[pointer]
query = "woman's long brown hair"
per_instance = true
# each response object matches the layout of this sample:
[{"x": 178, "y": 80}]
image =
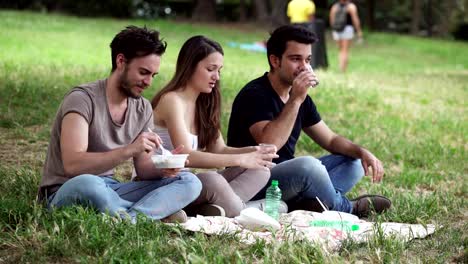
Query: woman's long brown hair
[{"x": 208, "y": 105}]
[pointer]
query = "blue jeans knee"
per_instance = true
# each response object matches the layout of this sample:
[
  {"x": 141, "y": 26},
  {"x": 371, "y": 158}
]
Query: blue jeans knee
[
  {"x": 297, "y": 176},
  {"x": 85, "y": 189},
  {"x": 345, "y": 172},
  {"x": 194, "y": 185},
  {"x": 308, "y": 178}
]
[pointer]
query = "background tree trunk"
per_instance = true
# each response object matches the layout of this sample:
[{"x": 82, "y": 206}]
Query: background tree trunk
[
  {"x": 242, "y": 11},
  {"x": 261, "y": 11},
  {"x": 416, "y": 17},
  {"x": 278, "y": 13},
  {"x": 429, "y": 18},
  {"x": 447, "y": 12},
  {"x": 205, "y": 10},
  {"x": 370, "y": 14}
]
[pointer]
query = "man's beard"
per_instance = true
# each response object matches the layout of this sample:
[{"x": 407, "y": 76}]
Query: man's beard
[
  {"x": 285, "y": 79},
  {"x": 126, "y": 87}
]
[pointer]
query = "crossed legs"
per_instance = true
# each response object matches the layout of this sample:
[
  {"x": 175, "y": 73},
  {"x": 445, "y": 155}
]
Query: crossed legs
[
  {"x": 156, "y": 199},
  {"x": 230, "y": 188},
  {"x": 329, "y": 178}
]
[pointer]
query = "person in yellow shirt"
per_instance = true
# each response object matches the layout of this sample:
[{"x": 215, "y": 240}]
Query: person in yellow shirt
[{"x": 301, "y": 11}]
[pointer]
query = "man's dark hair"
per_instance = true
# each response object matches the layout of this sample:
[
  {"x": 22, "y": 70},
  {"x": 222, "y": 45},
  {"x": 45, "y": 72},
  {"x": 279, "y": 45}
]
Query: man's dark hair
[
  {"x": 135, "y": 42},
  {"x": 276, "y": 44}
]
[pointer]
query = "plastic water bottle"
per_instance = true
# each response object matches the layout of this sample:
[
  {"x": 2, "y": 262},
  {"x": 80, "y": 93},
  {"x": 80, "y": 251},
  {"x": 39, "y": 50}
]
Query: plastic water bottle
[{"x": 272, "y": 201}]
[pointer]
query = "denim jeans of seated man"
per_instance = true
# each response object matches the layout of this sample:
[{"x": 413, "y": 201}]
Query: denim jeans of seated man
[
  {"x": 156, "y": 199},
  {"x": 329, "y": 178}
]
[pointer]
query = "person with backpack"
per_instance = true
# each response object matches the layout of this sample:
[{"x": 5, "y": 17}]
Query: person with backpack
[{"x": 344, "y": 20}]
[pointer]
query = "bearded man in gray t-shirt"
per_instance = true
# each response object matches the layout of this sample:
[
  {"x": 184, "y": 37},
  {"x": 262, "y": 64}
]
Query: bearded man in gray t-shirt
[{"x": 99, "y": 125}]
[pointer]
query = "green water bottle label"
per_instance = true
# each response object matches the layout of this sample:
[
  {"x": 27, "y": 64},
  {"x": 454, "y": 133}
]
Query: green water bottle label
[{"x": 337, "y": 224}]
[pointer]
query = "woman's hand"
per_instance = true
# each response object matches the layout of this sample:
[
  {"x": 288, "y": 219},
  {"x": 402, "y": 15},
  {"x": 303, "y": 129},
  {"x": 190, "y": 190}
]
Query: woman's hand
[
  {"x": 170, "y": 173},
  {"x": 260, "y": 158}
]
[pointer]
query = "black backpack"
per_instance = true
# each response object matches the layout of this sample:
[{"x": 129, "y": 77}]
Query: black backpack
[{"x": 339, "y": 22}]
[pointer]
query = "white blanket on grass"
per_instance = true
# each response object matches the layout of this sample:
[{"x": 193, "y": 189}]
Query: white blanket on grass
[{"x": 295, "y": 226}]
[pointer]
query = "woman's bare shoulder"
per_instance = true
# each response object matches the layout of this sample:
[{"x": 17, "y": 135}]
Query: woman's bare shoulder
[
  {"x": 170, "y": 102},
  {"x": 171, "y": 99},
  {"x": 351, "y": 7},
  {"x": 171, "y": 96}
]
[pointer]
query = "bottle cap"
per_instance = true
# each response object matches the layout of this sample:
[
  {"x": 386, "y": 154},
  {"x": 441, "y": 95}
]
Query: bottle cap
[{"x": 274, "y": 183}]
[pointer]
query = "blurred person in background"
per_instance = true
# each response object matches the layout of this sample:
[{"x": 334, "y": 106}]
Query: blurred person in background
[
  {"x": 344, "y": 21},
  {"x": 302, "y": 12}
]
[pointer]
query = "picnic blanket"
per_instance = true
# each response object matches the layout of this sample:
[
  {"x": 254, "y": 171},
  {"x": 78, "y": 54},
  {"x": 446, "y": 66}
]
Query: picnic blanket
[{"x": 295, "y": 226}]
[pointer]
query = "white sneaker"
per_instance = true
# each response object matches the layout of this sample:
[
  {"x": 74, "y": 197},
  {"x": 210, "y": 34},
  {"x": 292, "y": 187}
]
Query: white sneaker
[
  {"x": 260, "y": 204},
  {"x": 177, "y": 217},
  {"x": 211, "y": 210}
]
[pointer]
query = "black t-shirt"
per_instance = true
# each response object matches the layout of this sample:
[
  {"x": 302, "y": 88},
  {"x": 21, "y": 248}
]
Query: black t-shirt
[{"x": 258, "y": 101}]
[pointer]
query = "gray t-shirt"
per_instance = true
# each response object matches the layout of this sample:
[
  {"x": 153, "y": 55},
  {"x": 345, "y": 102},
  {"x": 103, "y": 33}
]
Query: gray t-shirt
[{"x": 90, "y": 101}]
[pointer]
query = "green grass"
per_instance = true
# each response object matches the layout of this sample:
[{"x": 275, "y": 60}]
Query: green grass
[{"x": 403, "y": 98}]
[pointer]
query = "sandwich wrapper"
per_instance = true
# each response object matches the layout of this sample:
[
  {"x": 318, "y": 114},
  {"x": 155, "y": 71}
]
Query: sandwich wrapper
[{"x": 257, "y": 220}]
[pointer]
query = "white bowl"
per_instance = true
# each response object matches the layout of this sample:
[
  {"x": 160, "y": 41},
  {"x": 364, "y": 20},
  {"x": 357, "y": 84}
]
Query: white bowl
[{"x": 174, "y": 161}]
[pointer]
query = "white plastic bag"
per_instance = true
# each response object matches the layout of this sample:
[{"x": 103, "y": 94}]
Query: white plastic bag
[{"x": 256, "y": 220}]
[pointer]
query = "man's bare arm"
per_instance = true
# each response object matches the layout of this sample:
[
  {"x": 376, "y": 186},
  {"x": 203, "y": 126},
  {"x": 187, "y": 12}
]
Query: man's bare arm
[
  {"x": 335, "y": 143},
  {"x": 277, "y": 131},
  {"x": 74, "y": 147}
]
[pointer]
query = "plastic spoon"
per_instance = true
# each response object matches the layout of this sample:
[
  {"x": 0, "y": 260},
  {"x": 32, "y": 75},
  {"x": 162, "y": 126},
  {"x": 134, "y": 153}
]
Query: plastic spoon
[
  {"x": 164, "y": 151},
  {"x": 321, "y": 204}
]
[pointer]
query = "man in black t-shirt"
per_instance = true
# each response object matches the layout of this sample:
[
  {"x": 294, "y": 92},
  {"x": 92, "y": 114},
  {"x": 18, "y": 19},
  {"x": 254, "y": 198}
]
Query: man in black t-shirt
[{"x": 275, "y": 108}]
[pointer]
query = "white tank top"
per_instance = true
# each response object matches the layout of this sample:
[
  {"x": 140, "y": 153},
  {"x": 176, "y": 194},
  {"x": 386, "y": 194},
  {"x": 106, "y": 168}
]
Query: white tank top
[{"x": 163, "y": 133}]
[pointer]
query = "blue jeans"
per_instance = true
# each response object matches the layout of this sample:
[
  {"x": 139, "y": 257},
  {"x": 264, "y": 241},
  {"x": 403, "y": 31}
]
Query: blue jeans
[
  {"x": 329, "y": 178},
  {"x": 156, "y": 199}
]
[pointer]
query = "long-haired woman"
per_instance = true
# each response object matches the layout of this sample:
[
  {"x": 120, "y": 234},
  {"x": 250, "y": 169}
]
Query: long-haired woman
[{"x": 187, "y": 111}]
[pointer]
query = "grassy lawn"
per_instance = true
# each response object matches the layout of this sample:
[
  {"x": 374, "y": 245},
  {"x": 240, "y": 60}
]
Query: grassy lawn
[{"x": 404, "y": 98}]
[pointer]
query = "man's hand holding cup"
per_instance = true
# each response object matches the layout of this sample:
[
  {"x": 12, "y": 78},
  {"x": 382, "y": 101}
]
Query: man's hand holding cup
[{"x": 314, "y": 82}]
